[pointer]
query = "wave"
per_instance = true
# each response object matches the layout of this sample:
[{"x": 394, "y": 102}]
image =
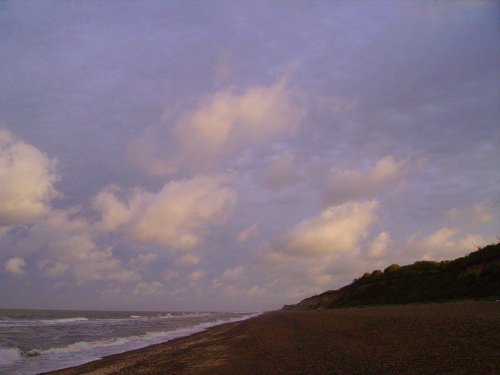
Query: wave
[
  {"x": 133, "y": 342},
  {"x": 135, "y": 316},
  {"x": 185, "y": 315},
  {"x": 64, "y": 321},
  {"x": 80, "y": 346},
  {"x": 37, "y": 322},
  {"x": 9, "y": 355}
]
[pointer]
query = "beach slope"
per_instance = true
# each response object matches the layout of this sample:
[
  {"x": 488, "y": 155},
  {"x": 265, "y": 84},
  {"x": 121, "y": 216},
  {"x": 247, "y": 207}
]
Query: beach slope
[{"x": 446, "y": 338}]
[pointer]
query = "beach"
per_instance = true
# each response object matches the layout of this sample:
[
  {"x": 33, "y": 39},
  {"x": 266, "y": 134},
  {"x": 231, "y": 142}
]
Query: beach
[{"x": 437, "y": 338}]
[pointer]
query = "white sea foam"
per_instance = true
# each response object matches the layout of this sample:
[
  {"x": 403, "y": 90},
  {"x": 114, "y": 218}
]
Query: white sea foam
[
  {"x": 64, "y": 321},
  {"x": 134, "y": 342},
  {"x": 9, "y": 355},
  {"x": 80, "y": 346},
  {"x": 186, "y": 315},
  {"x": 61, "y": 355},
  {"x": 135, "y": 316}
]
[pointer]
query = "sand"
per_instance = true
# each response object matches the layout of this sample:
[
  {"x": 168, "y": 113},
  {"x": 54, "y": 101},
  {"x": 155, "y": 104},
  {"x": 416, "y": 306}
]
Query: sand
[{"x": 447, "y": 338}]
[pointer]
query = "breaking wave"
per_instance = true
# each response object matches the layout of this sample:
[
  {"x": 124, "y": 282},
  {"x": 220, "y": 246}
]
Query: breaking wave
[
  {"x": 132, "y": 342},
  {"x": 64, "y": 321}
]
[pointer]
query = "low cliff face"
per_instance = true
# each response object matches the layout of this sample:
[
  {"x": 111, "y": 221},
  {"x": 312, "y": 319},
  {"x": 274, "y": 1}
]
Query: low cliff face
[{"x": 476, "y": 275}]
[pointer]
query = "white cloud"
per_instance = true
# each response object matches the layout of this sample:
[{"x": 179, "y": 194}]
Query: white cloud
[
  {"x": 346, "y": 184},
  {"x": 189, "y": 260},
  {"x": 223, "y": 125},
  {"x": 236, "y": 292},
  {"x": 305, "y": 260},
  {"x": 235, "y": 273},
  {"x": 15, "y": 266},
  {"x": 248, "y": 233},
  {"x": 379, "y": 246},
  {"x": 336, "y": 230},
  {"x": 446, "y": 243},
  {"x": 56, "y": 269},
  {"x": 176, "y": 217},
  {"x": 232, "y": 281},
  {"x": 27, "y": 178},
  {"x": 316, "y": 275},
  {"x": 147, "y": 289},
  {"x": 478, "y": 213},
  {"x": 196, "y": 276},
  {"x": 142, "y": 261},
  {"x": 114, "y": 212},
  {"x": 70, "y": 248},
  {"x": 86, "y": 261}
]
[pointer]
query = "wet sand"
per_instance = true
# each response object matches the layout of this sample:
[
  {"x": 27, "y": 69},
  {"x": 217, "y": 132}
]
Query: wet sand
[{"x": 447, "y": 338}]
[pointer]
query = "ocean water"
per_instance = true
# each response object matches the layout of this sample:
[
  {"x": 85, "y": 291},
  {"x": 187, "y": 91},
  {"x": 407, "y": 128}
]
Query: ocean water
[{"x": 34, "y": 341}]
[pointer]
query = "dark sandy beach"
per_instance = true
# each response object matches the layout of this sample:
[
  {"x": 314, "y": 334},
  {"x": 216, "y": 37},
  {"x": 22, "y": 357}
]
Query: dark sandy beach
[{"x": 446, "y": 338}]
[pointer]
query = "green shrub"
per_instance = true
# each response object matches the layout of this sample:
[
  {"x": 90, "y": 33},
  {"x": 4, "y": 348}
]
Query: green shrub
[{"x": 392, "y": 268}]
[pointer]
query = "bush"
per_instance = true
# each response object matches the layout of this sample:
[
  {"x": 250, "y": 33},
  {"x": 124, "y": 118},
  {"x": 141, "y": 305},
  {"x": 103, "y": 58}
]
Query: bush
[
  {"x": 392, "y": 268},
  {"x": 426, "y": 264}
]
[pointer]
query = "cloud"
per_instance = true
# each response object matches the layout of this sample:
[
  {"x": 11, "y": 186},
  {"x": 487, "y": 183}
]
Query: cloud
[
  {"x": 281, "y": 173},
  {"x": 336, "y": 230},
  {"x": 69, "y": 247},
  {"x": 142, "y": 261},
  {"x": 176, "y": 217},
  {"x": 224, "y": 124},
  {"x": 479, "y": 213},
  {"x": 445, "y": 243},
  {"x": 248, "y": 233},
  {"x": 195, "y": 276},
  {"x": 234, "y": 273},
  {"x": 65, "y": 240},
  {"x": 316, "y": 275},
  {"x": 15, "y": 266},
  {"x": 86, "y": 261},
  {"x": 305, "y": 259},
  {"x": 232, "y": 282},
  {"x": 345, "y": 184},
  {"x": 189, "y": 260},
  {"x": 379, "y": 246},
  {"x": 27, "y": 178},
  {"x": 113, "y": 212},
  {"x": 236, "y": 292},
  {"x": 345, "y": 107},
  {"x": 170, "y": 274},
  {"x": 147, "y": 289}
]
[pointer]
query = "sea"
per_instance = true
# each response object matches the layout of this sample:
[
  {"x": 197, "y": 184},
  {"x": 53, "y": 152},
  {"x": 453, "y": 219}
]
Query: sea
[{"x": 35, "y": 341}]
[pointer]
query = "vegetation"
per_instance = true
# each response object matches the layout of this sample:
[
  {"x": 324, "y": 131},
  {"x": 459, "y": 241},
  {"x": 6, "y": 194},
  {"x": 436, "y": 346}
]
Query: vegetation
[{"x": 476, "y": 275}]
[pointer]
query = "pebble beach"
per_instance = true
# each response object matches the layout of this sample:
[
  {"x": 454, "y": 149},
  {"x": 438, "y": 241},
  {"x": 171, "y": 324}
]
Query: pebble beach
[{"x": 437, "y": 338}]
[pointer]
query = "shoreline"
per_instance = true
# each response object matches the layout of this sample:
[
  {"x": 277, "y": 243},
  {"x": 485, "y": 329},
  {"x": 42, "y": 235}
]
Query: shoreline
[{"x": 445, "y": 338}]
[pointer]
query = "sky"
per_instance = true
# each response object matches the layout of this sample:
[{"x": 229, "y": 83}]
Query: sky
[{"x": 239, "y": 155}]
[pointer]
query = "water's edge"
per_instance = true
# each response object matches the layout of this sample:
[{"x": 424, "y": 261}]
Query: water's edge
[
  {"x": 33, "y": 342},
  {"x": 149, "y": 346}
]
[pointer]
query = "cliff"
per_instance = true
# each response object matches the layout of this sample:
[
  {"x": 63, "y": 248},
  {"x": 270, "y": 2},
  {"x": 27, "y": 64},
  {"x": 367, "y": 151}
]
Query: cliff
[{"x": 476, "y": 275}]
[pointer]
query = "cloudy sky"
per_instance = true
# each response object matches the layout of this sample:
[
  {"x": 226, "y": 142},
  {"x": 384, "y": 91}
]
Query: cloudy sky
[{"x": 240, "y": 155}]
